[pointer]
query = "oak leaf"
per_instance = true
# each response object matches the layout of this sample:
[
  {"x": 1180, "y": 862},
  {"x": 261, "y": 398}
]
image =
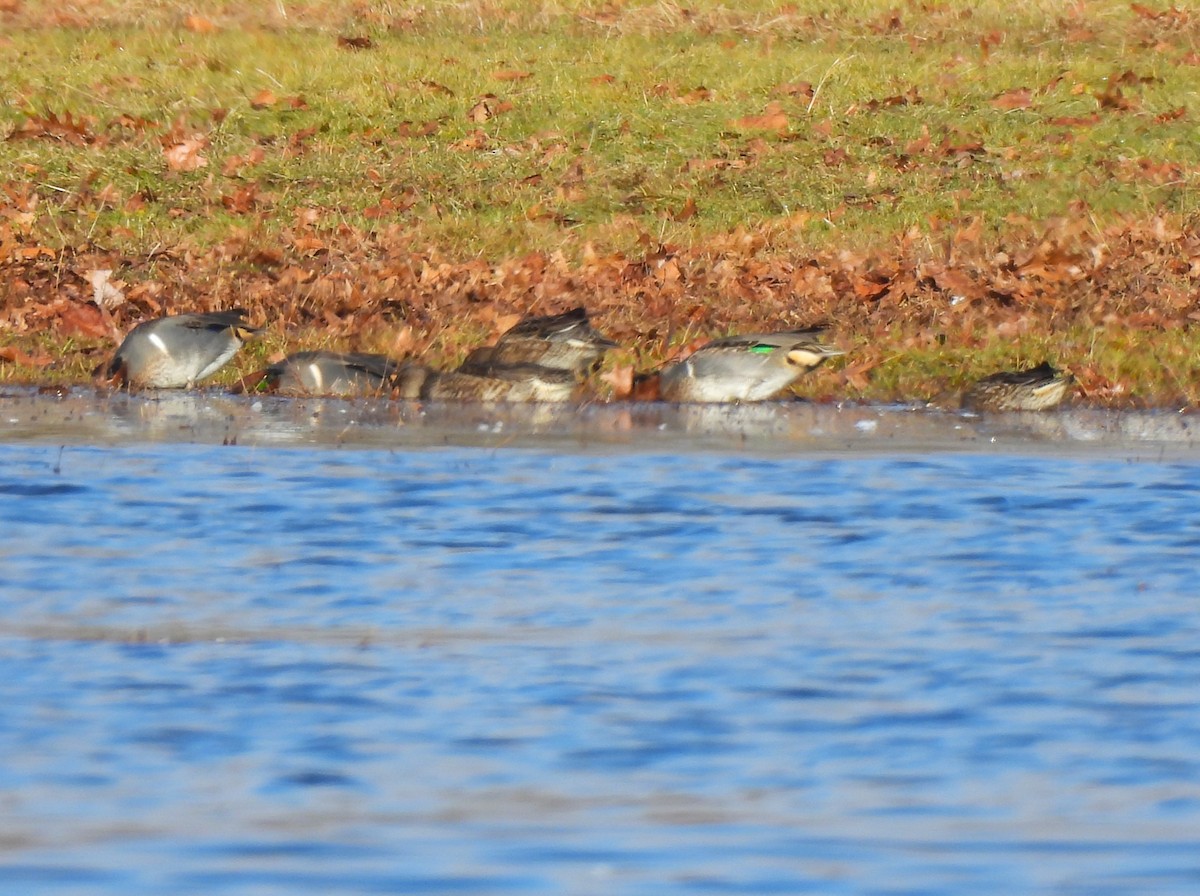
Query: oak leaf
[
  {"x": 67, "y": 129},
  {"x": 106, "y": 292},
  {"x": 84, "y": 320},
  {"x": 185, "y": 156},
  {"x": 487, "y": 107}
]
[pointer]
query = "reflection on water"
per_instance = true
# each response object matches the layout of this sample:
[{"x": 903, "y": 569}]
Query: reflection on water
[
  {"x": 233, "y": 669},
  {"x": 99, "y": 417}
]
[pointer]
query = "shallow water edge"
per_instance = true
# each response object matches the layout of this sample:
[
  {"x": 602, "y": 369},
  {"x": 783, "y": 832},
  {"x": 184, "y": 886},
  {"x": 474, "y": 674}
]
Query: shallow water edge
[{"x": 211, "y": 417}]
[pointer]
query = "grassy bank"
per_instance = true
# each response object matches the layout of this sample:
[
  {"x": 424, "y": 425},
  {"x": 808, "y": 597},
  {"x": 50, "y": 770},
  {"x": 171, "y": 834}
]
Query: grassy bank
[{"x": 955, "y": 190}]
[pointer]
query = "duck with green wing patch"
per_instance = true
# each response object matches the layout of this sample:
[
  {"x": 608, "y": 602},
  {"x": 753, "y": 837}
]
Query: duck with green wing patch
[{"x": 752, "y": 367}]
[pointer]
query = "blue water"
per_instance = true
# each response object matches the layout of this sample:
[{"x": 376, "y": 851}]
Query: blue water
[{"x": 236, "y": 670}]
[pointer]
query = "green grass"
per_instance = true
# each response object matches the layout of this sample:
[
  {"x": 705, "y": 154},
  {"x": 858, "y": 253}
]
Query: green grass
[{"x": 629, "y": 151}]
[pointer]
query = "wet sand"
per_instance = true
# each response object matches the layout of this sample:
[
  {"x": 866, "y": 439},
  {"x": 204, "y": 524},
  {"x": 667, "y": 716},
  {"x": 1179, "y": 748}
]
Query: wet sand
[{"x": 88, "y": 416}]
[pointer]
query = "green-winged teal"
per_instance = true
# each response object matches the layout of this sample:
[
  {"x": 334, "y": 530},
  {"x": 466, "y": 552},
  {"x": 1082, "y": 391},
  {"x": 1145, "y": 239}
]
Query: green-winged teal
[
  {"x": 752, "y": 367},
  {"x": 1036, "y": 389},
  {"x": 565, "y": 341},
  {"x": 339, "y": 373},
  {"x": 508, "y": 382},
  {"x": 177, "y": 352}
]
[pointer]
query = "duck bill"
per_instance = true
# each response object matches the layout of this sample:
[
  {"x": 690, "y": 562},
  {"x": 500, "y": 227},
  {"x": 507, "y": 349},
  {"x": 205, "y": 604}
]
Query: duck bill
[{"x": 812, "y": 356}]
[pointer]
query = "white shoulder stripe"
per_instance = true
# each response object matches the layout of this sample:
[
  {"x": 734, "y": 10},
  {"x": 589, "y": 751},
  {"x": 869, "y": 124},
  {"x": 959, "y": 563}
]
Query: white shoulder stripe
[{"x": 315, "y": 370}]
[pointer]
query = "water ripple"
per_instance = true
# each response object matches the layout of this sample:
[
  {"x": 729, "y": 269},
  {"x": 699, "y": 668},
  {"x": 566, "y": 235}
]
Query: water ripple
[{"x": 457, "y": 670}]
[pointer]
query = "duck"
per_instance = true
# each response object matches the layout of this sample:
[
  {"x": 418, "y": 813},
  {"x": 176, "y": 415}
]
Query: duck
[
  {"x": 341, "y": 374},
  {"x": 1036, "y": 389},
  {"x": 506, "y": 382},
  {"x": 177, "y": 351},
  {"x": 750, "y": 367},
  {"x": 566, "y": 341}
]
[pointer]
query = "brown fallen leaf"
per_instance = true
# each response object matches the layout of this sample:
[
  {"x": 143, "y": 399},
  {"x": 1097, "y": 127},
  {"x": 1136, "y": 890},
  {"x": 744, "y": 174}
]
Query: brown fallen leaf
[
  {"x": 308, "y": 246},
  {"x": 475, "y": 140},
  {"x": 695, "y": 95},
  {"x": 706, "y": 165},
  {"x": 1071, "y": 121},
  {"x": 540, "y": 212},
  {"x": 106, "y": 292},
  {"x": 502, "y": 323},
  {"x": 911, "y": 98},
  {"x": 799, "y": 88},
  {"x": 835, "y": 157},
  {"x": 621, "y": 380},
  {"x": 67, "y": 129},
  {"x": 347, "y": 42},
  {"x": 235, "y": 165},
  {"x": 82, "y": 320},
  {"x": 199, "y": 25},
  {"x": 296, "y": 141},
  {"x": 488, "y": 107},
  {"x": 1172, "y": 115},
  {"x": 769, "y": 121},
  {"x": 186, "y": 156},
  {"x": 243, "y": 201},
  {"x": 382, "y": 210},
  {"x": 687, "y": 211},
  {"x": 435, "y": 87},
  {"x": 1112, "y": 98},
  {"x": 511, "y": 75},
  {"x": 14, "y": 355},
  {"x": 411, "y": 129},
  {"x": 1017, "y": 98},
  {"x": 263, "y": 99}
]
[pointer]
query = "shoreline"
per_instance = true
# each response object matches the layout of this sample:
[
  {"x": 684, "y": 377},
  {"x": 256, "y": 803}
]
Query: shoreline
[{"x": 87, "y": 416}]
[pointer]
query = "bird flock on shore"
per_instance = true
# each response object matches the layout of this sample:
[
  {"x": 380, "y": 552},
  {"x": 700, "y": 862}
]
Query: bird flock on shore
[{"x": 541, "y": 359}]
